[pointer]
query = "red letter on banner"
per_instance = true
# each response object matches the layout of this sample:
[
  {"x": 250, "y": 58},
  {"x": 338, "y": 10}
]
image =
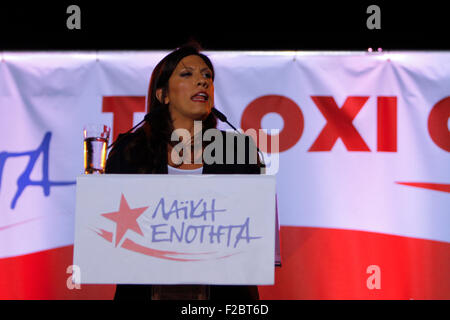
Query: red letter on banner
[
  {"x": 438, "y": 124},
  {"x": 123, "y": 108},
  {"x": 286, "y": 108},
  {"x": 387, "y": 124},
  {"x": 339, "y": 124}
]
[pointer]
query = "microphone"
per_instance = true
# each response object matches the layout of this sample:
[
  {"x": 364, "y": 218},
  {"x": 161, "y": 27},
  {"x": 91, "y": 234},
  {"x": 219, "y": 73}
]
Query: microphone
[
  {"x": 146, "y": 118},
  {"x": 223, "y": 118}
]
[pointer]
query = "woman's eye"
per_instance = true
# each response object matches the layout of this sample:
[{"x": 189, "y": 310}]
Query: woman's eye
[{"x": 207, "y": 75}]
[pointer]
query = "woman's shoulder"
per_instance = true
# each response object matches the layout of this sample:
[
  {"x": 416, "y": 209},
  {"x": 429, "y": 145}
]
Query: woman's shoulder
[
  {"x": 239, "y": 152},
  {"x": 117, "y": 160},
  {"x": 238, "y": 139},
  {"x": 231, "y": 134},
  {"x": 126, "y": 140}
]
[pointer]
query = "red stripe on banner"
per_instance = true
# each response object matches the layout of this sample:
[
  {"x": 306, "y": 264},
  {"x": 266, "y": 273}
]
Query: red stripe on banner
[
  {"x": 43, "y": 275},
  {"x": 445, "y": 187},
  {"x": 317, "y": 263},
  {"x": 322, "y": 263},
  {"x": 16, "y": 224}
]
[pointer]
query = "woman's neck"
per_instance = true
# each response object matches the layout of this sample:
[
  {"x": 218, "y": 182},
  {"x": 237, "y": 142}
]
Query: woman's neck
[
  {"x": 194, "y": 128},
  {"x": 190, "y": 125},
  {"x": 195, "y": 137}
]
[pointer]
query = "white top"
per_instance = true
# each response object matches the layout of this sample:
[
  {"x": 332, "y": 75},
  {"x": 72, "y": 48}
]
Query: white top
[{"x": 173, "y": 170}]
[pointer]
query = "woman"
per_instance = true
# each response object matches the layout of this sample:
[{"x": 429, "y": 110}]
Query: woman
[{"x": 181, "y": 91}]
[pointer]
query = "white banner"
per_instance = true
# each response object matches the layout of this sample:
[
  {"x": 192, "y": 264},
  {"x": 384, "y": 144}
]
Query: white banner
[{"x": 364, "y": 140}]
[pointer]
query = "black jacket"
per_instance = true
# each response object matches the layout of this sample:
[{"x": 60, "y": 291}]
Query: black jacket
[{"x": 117, "y": 163}]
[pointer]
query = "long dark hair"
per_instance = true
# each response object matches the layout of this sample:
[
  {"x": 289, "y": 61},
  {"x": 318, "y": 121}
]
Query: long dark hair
[{"x": 147, "y": 151}]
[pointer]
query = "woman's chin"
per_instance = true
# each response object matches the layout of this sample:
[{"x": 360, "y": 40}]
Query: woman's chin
[
  {"x": 202, "y": 117},
  {"x": 201, "y": 114}
]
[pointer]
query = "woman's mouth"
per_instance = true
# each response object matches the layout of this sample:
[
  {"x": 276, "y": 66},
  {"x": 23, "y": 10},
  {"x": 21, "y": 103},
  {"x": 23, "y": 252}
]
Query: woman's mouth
[{"x": 200, "y": 97}]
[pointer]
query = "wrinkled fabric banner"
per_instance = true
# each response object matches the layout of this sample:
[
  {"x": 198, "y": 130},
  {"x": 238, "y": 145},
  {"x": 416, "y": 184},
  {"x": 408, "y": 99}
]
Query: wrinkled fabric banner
[{"x": 362, "y": 167}]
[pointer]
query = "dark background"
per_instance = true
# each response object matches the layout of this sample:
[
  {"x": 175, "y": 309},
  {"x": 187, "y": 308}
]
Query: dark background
[{"x": 224, "y": 25}]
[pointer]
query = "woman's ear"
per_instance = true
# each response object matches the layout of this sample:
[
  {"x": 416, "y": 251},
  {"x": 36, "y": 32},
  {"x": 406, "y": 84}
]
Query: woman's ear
[{"x": 160, "y": 96}]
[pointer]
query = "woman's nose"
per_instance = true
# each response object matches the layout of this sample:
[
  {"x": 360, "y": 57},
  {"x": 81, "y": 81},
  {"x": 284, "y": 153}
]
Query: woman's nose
[{"x": 201, "y": 82}]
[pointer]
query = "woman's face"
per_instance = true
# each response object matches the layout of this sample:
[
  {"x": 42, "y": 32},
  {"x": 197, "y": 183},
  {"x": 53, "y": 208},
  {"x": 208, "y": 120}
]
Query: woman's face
[{"x": 191, "y": 90}]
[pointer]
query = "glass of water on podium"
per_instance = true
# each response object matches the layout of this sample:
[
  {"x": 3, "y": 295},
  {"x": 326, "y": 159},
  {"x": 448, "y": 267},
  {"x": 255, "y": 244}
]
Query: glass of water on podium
[{"x": 95, "y": 146}]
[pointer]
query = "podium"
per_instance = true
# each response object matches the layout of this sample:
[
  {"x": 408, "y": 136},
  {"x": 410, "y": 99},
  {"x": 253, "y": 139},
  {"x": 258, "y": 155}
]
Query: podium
[{"x": 176, "y": 230}]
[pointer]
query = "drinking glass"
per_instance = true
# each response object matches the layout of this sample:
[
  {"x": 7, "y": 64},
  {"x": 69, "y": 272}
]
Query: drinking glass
[{"x": 95, "y": 146}]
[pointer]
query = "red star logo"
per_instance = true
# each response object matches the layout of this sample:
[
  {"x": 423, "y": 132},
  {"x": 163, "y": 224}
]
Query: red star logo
[{"x": 125, "y": 219}]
